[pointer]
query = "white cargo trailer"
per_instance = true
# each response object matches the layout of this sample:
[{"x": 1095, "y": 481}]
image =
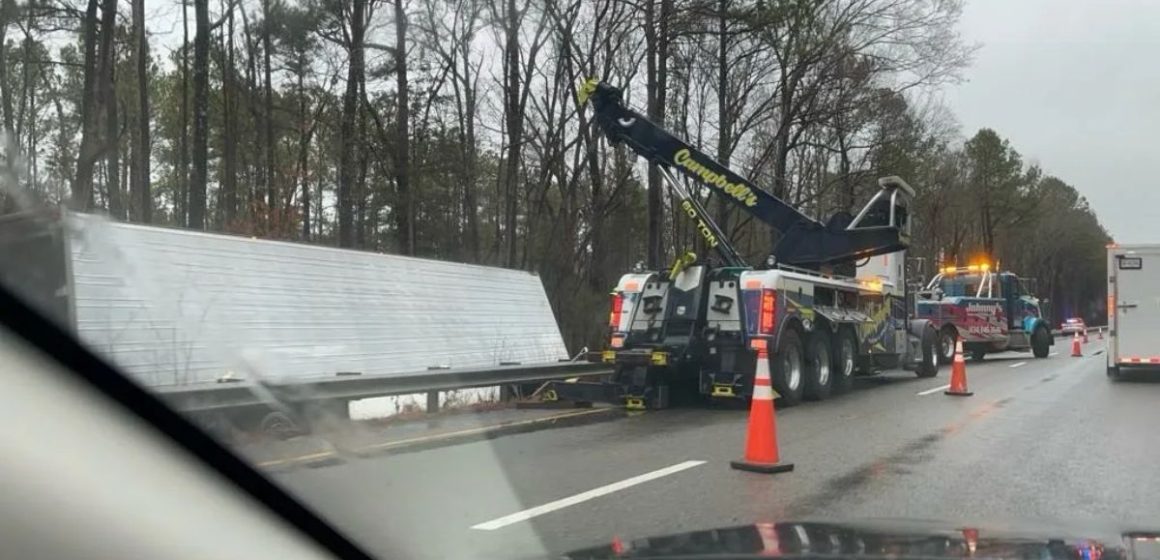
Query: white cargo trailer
[
  {"x": 1133, "y": 308},
  {"x": 173, "y": 306}
]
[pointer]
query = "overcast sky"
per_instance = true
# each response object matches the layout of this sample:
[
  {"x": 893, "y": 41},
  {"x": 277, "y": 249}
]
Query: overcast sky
[{"x": 1075, "y": 86}]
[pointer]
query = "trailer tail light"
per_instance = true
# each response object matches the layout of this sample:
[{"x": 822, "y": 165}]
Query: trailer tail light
[
  {"x": 768, "y": 311},
  {"x": 617, "y": 310}
]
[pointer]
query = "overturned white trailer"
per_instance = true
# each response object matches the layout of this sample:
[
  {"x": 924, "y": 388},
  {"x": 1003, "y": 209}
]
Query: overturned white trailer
[{"x": 174, "y": 307}]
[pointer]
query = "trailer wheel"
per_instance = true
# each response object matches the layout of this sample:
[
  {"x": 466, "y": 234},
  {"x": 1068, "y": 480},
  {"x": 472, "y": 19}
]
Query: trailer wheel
[
  {"x": 278, "y": 425},
  {"x": 1040, "y": 342},
  {"x": 819, "y": 370},
  {"x": 845, "y": 360},
  {"x": 928, "y": 366},
  {"x": 787, "y": 368},
  {"x": 946, "y": 345}
]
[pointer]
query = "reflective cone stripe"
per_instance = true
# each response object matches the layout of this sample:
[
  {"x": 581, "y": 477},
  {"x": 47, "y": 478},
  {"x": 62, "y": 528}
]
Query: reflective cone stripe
[
  {"x": 1085, "y": 338},
  {"x": 958, "y": 374},
  {"x": 1076, "y": 351},
  {"x": 761, "y": 454},
  {"x": 762, "y": 385},
  {"x": 1100, "y": 334}
]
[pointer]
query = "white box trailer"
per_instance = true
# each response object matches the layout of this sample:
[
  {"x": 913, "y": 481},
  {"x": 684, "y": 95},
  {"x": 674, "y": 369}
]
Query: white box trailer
[
  {"x": 1133, "y": 308},
  {"x": 173, "y": 307}
]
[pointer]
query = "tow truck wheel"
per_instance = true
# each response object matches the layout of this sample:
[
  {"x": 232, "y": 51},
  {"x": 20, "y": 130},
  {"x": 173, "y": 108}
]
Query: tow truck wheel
[
  {"x": 946, "y": 345},
  {"x": 787, "y": 368},
  {"x": 819, "y": 370},
  {"x": 928, "y": 365},
  {"x": 1040, "y": 342},
  {"x": 845, "y": 361}
]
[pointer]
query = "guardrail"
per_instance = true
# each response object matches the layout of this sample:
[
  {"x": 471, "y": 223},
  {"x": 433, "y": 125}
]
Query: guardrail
[{"x": 211, "y": 397}]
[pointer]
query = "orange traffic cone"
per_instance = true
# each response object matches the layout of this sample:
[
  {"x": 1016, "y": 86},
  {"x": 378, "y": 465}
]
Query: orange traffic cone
[
  {"x": 1076, "y": 351},
  {"x": 1085, "y": 339},
  {"x": 1100, "y": 334},
  {"x": 971, "y": 536},
  {"x": 958, "y": 374},
  {"x": 761, "y": 439}
]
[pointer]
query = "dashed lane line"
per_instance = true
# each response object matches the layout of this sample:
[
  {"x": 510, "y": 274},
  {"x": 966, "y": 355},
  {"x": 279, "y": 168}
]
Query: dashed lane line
[
  {"x": 934, "y": 390},
  {"x": 549, "y": 507}
]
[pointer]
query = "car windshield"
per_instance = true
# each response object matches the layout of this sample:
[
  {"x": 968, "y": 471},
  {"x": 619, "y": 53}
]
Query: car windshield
[{"x": 518, "y": 277}]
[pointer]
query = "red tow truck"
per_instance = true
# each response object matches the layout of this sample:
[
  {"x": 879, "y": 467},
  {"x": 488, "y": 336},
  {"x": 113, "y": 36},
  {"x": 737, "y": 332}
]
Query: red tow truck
[{"x": 989, "y": 311}]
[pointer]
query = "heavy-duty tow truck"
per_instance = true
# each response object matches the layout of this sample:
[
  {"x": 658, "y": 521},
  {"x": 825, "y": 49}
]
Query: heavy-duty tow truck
[
  {"x": 697, "y": 325},
  {"x": 990, "y": 311}
]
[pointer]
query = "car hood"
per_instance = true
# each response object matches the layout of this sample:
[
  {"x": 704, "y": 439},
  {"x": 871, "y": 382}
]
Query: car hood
[{"x": 886, "y": 539}]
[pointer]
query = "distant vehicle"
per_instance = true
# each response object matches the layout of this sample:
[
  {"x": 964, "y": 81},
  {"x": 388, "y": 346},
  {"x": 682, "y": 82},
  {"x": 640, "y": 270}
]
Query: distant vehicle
[
  {"x": 1072, "y": 326},
  {"x": 1133, "y": 308},
  {"x": 989, "y": 311}
]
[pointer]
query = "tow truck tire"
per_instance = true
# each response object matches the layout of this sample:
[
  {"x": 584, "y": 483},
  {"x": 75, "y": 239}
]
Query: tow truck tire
[
  {"x": 787, "y": 368},
  {"x": 1040, "y": 342},
  {"x": 845, "y": 361},
  {"x": 929, "y": 346},
  {"x": 819, "y": 366},
  {"x": 946, "y": 345}
]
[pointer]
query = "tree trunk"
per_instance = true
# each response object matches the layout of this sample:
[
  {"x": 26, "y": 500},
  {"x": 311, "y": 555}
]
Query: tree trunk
[
  {"x": 268, "y": 121},
  {"x": 470, "y": 200},
  {"x": 199, "y": 180},
  {"x": 82, "y": 187},
  {"x": 470, "y": 204},
  {"x": 348, "y": 161},
  {"x": 406, "y": 214},
  {"x": 143, "y": 193},
  {"x": 360, "y": 192},
  {"x": 229, "y": 187},
  {"x": 108, "y": 97},
  {"x": 514, "y": 122},
  {"x": 657, "y": 45},
  {"x": 181, "y": 200},
  {"x": 303, "y": 153},
  {"x": 7, "y": 9},
  {"x": 724, "y": 119}
]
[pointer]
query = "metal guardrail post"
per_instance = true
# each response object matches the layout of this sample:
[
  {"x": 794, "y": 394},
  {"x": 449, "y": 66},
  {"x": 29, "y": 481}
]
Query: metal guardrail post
[{"x": 432, "y": 401}]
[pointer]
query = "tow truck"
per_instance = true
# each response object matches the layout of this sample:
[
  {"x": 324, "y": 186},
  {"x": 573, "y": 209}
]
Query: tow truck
[
  {"x": 699, "y": 324},
  {"x": 990, "y": 311}
]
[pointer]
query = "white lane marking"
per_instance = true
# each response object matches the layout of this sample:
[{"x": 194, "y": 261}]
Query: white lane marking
[
  {"x": 583, "y": 496},
  {"x": 1053, "y": 353},
  {"x": 935, "y": 390},
  {"x": 1020, "y": 364}
]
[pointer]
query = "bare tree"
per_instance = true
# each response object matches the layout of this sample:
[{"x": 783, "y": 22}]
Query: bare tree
[
  {"x": 199, "y": 178},
  {"x": 450, "y": 38},
  {"x": 656, "y": 25},
  {"x": 142, "y": 150},
  {"x": 405, "y": 212},
  {"x": 107, "y": 97},
  {"x": 82, "y": 187}
]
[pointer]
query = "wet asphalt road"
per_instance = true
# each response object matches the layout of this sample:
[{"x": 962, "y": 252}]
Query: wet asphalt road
[{"x": 1049, "y": 441}]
